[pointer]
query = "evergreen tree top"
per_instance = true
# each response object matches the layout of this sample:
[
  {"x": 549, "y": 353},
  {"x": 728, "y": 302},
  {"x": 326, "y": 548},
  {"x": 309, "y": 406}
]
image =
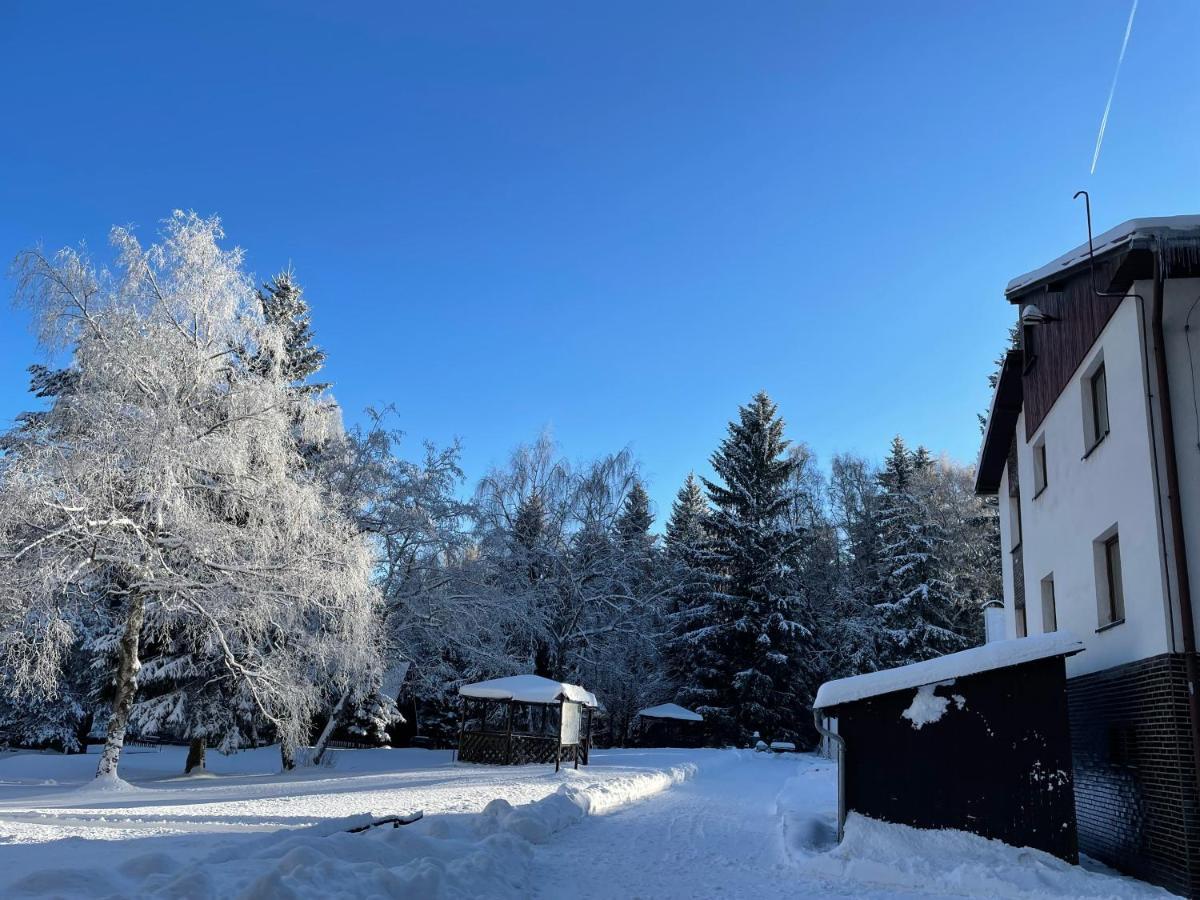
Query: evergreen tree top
[
  {"x": 897, "y": 472},
  {"x": 752, "y": 462},
  {"x": 530, "y": 521},
  {"x": 283, "y": 305},
  {"x": 635, "y": 519},
  {"x": 685, "y": 527}
]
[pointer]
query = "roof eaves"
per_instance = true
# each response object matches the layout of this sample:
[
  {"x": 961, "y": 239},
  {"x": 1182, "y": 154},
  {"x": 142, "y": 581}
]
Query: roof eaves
[
  {"x": 1000, "y": 426},
  {"x": 1128, "y": 235}
]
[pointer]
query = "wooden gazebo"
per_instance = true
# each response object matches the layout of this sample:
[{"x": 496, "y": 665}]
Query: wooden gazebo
[
  {"x": 669, "y": 725},
  {"x": 525, "y": 719}
]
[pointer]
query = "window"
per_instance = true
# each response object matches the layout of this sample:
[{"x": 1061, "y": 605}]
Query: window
[
  {"x": 1022, "y": 628},
  {"x": 1110, "y": 592},
  {"x": 1040, "y": 479},
  {"x": 1049, "y": 613},
  {"x": 1014, "y": 523},
  {"x": 1095, "y": 406}
]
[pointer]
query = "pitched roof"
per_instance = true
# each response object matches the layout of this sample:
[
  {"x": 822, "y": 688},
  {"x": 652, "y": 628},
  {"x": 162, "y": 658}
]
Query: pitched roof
[
  {"x": 1000, "y": 426},
  {"x": 528, "y": 689},
  {"x": 671, "y": 711}
]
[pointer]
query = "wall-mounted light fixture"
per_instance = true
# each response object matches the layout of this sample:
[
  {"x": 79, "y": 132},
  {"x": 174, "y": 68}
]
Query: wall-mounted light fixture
[{"x": 1032, "y": 315}]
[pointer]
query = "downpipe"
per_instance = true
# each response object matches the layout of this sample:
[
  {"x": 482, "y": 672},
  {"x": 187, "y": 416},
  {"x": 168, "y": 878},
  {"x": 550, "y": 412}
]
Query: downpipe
[
  {"x": 1175, "y": 509},
  {"x": 837, "y": 739}
]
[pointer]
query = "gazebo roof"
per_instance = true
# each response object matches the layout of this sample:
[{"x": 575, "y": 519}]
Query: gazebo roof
[
  {"x": 671, "y": 711},
  {"x": 528, "y": 689}
]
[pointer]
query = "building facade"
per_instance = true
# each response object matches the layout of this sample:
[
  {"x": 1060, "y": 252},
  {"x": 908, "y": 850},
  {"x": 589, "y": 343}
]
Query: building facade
[{"x": 1092, "y": 448}]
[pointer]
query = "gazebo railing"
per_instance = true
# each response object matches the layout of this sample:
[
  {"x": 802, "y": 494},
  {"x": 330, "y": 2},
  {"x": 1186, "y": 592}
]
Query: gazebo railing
[{"x": 498, "y": 748}]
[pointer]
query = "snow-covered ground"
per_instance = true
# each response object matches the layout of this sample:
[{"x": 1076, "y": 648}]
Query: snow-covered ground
[{"x": 636, "y": 823}]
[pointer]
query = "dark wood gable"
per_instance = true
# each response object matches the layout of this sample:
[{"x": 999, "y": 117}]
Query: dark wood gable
[{"x": 1054, "y": 350}]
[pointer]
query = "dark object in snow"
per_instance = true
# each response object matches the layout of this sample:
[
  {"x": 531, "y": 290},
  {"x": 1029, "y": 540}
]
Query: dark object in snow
[
  {"x": 394, "y": 821},
  {"x": 525, "y": 719},
  {"x": 941, "y": 744},
  {"x": 669, "y": 725}
]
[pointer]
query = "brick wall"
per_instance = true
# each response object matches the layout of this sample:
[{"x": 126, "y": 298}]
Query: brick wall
[{"x": 1135, "y": 787}]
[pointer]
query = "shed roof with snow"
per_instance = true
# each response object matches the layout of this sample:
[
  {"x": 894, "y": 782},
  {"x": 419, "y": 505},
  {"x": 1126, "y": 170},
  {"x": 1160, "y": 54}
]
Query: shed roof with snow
[
  {"x": 528, "y": 689},
  {"x": 996, "y": 655},
  {"x": 671, "y": 711}
]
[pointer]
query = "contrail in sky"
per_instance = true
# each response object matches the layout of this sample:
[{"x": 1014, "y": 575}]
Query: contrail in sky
[{"x": 1112, "y": 90}]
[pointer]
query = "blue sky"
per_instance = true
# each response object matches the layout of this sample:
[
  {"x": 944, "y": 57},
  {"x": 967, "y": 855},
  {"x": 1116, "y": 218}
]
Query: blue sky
[{"x": 615, "y": 220}]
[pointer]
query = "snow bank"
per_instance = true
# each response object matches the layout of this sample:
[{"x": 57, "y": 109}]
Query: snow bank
[
  {"x": 447, "y": 856},
  {"x": 897, "y": 857},
  {"x": 996, "y": 655},
  {"x": 528, "y": 689},
  {"x": 880, "y": 859}
]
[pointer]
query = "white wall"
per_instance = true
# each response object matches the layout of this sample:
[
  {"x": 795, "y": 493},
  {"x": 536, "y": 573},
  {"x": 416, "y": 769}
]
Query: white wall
[
  {"x": 1085, "y": 497},
  {"x": 1006, "y": 560},
  {"x": 1179, "y": 295}
]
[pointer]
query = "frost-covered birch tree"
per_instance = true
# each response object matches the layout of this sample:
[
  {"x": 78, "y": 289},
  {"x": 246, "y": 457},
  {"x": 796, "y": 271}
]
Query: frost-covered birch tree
[{"x": 164, "y": 485}]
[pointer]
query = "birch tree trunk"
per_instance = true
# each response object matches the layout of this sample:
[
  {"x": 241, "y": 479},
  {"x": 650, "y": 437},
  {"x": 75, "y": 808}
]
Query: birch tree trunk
[
  {"x": 126, "y": 687},
  {"x": 195, "y": 757},
  {"x": 327, "y": 731},
  {"x": 287, "y": 755}
]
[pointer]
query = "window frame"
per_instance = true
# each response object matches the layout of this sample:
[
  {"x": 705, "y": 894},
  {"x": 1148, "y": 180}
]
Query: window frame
[
  {"x": 1050, "y": 622},
  {"x": 1110, "y": 580},
  {"x": 1097, "y": 419},
  {"x": 1041, "y": 475}
]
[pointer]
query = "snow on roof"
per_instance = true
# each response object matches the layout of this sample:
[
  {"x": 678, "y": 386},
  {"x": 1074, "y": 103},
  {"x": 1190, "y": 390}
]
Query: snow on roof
[
  {"x": 528, "y": 689},
  {"x": 671, "y": 711},
  {"x": 996, "y": 655},
  {"x": 1123, "y": 233}
]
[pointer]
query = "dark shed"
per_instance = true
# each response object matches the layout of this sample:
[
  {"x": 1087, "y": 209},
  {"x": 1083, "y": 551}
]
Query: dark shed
[
  {"x": 976, "y": 741},
  {"x": 669, "y": 725}
]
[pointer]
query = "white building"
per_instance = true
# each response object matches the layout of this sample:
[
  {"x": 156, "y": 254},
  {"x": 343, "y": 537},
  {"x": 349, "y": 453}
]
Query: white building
[{"x": 1092, "y": 447}]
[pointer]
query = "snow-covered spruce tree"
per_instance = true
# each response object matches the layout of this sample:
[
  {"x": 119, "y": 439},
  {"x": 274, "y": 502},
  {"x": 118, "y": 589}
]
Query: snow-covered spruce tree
[
  {"x": 281, "y": 301},
  {"x": 167, "y": 482},
  {"x": 689, "y": 660},
  {"x": 633, "y": 524},
  {"x": 918, "y": 611},
  {"x": 759, "y": 637}
]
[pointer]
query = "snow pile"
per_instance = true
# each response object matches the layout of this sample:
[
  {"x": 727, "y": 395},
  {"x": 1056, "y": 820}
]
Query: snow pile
[
  {"x": 467, "y": 855},
  {"x": 880, "y": 855},
  {"x": 927, "y": 707},
  {"x": 996, "y": 655}
]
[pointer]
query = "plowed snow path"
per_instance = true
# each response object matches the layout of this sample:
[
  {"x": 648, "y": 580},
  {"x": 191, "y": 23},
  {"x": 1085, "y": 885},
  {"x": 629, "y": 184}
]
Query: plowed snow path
[{"x": 717, "y": 835}]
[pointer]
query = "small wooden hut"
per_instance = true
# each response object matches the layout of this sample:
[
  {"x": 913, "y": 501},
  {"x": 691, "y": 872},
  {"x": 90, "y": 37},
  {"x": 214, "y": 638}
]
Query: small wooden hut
[
  {"x": 669, "y": 725},
  {"x": 525, "y": 719},
  {"x": 975, "y": 741}
]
